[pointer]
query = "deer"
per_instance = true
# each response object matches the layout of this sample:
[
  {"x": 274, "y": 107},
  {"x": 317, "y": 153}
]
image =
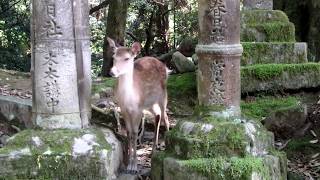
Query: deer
[{"x": 141, "y": 85}]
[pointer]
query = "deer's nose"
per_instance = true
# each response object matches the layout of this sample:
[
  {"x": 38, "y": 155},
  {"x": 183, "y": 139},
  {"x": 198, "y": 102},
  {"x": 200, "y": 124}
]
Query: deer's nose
[{"x": 111, "y": 74}]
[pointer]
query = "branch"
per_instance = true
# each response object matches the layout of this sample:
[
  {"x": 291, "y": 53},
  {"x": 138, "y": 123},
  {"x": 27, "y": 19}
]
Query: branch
[
  {"x": 100, "y": 6},
  {"x": 9, "y": 8},
  {"x": 132, "y": 36}
]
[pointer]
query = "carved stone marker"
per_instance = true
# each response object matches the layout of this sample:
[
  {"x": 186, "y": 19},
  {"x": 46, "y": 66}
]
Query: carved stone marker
[
  {"x": 258, "y": 4},
  {"x": 61, "y": 63},
  {"x": 219, "y": 51}
]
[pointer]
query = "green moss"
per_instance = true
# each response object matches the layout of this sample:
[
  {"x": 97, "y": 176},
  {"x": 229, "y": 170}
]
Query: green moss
[
  {"x": 58, "y": 141},
  {"x": 52, "y": 167},
  {"x": 53, "y": 157},
  {"x": 99, "y": 86},
  {"x": 265, "y": 16},
  {"x": 271, "y": 32},
  {"x": 269, "y": 71},
  {"x": 182, "y": 85},
  {"x": 268, "y": 53},
  {"x": 225, "y": 139},
  {"x": 263, "y": 106},
  {"x": 228, "y": 168}
]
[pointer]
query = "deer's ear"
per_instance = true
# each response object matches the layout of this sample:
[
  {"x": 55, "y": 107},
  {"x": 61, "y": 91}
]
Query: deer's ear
[
  {"x": 112, "y": 44},
  {"x": 136, "y": 48}
]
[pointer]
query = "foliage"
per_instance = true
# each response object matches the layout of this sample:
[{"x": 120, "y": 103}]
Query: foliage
[{"x": 14, "y": 35}]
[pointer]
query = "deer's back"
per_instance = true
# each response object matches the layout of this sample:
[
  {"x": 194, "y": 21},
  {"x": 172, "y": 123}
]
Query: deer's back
[{"x": 150, "y": 77}]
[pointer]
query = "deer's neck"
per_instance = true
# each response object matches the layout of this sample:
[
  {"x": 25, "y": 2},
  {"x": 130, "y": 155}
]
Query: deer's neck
[{"x": 126, "y": 89}]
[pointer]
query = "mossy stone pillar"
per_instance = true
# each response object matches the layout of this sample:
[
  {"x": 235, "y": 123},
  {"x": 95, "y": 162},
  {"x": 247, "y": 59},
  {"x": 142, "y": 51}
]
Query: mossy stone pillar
[
  {"x": 61, "y": 64},
  {"x": 219, "y": 51}
]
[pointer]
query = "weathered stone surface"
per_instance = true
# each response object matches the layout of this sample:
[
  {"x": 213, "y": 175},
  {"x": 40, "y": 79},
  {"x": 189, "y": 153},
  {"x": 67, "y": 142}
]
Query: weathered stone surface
[
  {"x": 195, "y": 59},
  {"x": 213, "y": 139},
  {"x": 61, "y": 154},
  {"x": 187, "y": 46},
  {"x": 182, "y": 63},
  {"x": 268, "y": 32},
  {"x": 60, "y": 64},
  {"x": 16, "y": 111},
  {"x": 223, "y": 168},
  {"x": 258, "y": 4},
  {"x": 273, "y": 53},
  {"x": 273, "y": 77},
  {"x": 263, "y": 16},
  {"x": 288, "y": 122}
]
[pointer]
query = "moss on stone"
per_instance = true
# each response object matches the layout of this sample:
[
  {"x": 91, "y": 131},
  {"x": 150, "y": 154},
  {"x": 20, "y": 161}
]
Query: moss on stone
[
  {"x": 263, "y": 106},
  {"x": 258, "y": 16},
  {"x": 40, "y": 154},
  {"x": 268, "y": 32},
  {"x": 226, "y": 138},
  {"x": 269, "y": 71},
  {"x": 182, "y": 85},
  {"x": 228, "y": 168},
  {"x": 57, "y": 141},
  {"x": 273, "y": 53},
  {"x": 101, "y": 85}
]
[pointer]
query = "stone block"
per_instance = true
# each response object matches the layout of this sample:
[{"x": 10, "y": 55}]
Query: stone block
[
  {"x": 268, "y": 32},
  {"x": 61, "y": 154},
  {"x": 182, "y": 63},
  {"x": 16, "y": 111},
  {"x": 258, "y": 4},
  {"x": 234, "y": 168},
  {"x": 263, "y": 16},
  {"x": 274, "y": 77},
  {"x": 273, "y": 53},
  {"x": 198, "y": 139}
]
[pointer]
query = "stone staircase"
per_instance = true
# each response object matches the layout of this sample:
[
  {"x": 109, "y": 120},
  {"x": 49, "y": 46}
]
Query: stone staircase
[{"x": 272, "y": 59}]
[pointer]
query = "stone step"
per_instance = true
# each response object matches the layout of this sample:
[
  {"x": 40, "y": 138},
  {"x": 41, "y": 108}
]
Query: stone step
[
  {"x": 234, "y": 168},
  {"x": 263, "y": 16},
  {"x": 268, "y": 32},
  {"x": 275, "y": 77},
  {"x": 277, "y": 53}
]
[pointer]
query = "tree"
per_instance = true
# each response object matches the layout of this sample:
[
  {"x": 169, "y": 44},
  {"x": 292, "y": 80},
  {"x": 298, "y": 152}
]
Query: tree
[{"x": 116, "y": 25}]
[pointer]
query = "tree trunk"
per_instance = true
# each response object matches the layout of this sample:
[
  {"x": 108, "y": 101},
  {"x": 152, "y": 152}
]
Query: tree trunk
[{"x": 116, "y": 25}]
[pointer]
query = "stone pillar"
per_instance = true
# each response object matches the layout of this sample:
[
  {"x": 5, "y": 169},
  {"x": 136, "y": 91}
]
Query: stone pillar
[
  {"x": 219, "y": 51},
  {"x": 60, "y": 63}
]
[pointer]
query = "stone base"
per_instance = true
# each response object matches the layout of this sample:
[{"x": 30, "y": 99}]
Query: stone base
[
  {"x": 207, "y": 147},
  {"x": 61, "y": 154},
  {"x": 273, "y": 53},
  {"x": 249, "y": 168}
]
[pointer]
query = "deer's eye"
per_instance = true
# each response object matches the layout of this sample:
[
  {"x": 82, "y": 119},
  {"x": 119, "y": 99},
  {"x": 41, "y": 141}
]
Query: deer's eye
[{"x": 126, "y": 59}]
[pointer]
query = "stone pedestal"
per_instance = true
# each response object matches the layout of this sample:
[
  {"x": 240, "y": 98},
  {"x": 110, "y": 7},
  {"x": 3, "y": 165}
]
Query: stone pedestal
[
  {"x": 60, "y": 64},
  {"x": 61, "y": 154},
  {"x": 219, "y": 53}
]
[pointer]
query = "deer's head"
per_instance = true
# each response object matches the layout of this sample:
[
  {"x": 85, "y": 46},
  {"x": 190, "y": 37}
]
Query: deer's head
[{"x": 123, "y": 58}]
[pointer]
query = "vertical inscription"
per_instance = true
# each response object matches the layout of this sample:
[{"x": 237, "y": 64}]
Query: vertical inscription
[
  {"x": 51, "y": 87},
  {"x": 51, "y": 27},
  {"x": 217, "y": 9},
  {"x": 217, "y": 84}
]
